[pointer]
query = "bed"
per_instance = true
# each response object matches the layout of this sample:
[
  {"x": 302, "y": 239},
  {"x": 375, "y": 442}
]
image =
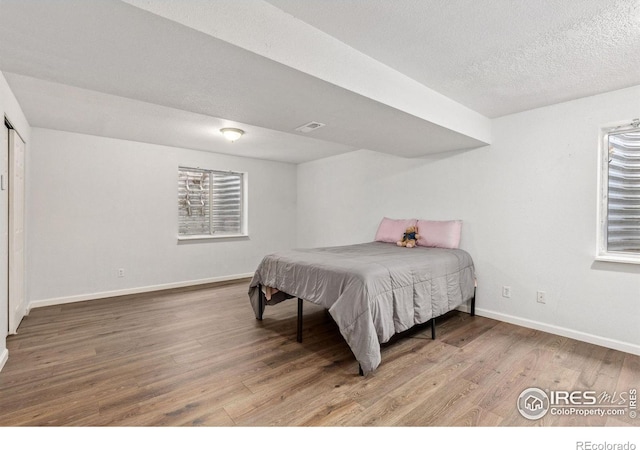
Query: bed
[{"x": 372, "y": 290}]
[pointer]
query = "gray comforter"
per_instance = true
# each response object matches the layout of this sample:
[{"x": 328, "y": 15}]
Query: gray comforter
[{"x": 371, "y": 290}]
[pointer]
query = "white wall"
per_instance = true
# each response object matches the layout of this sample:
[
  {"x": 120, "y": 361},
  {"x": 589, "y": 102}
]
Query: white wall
[
  {"x": 10, "y": 108},
  {"x": 528, "y": 203},
  {"x": 98, "y": 204}
]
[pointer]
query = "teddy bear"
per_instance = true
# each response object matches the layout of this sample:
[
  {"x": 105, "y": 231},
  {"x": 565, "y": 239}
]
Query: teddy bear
[{"x": 410, "y": 238}]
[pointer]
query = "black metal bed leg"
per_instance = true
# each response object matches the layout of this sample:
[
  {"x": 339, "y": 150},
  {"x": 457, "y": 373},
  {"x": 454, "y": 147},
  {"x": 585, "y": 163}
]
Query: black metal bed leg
[
  {"x": 433, "y": 328},
  {"x": 473, "y": 303},
  {"x": 360, "y": 371},
  {"x": 261, "y": 303},
  {"x": 299, "y": 334}
]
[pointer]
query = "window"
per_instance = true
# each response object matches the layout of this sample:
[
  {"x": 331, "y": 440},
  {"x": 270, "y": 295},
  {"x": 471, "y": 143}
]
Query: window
[
  {"x": 619, "y": 206},
  {"x": 211, "y": 203}
]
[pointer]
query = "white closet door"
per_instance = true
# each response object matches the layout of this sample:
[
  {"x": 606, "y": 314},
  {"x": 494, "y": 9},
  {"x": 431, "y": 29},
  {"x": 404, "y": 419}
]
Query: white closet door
[
  {"x": 17, "y": 305},
  {"x": 4, "y": 232}
]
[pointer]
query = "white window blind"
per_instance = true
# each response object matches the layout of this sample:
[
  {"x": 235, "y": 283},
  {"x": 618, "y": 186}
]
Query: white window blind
[
  {"x": 210, "y": 203},
  {"x": 623, "y": 193}
]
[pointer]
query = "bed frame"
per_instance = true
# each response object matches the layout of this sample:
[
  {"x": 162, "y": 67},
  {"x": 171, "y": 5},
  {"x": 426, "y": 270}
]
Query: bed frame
[{"x": 263, "y": 304}]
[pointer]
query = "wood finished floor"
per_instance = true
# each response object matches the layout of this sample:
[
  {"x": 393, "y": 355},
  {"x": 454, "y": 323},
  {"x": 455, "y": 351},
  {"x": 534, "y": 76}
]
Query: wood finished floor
[{"x": 198, "y": 357}]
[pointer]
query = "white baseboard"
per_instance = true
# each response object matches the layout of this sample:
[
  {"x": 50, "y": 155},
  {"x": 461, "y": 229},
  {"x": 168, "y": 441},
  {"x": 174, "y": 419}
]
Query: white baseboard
[
  {"x": 4, "y": 356},
  {"x": 561, "y": 331},
  {"x": 138, "y": 290}
]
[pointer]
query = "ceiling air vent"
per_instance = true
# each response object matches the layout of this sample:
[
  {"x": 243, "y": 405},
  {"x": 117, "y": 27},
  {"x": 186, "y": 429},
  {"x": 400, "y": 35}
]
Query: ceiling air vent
[{"x": 309, "y": 127}]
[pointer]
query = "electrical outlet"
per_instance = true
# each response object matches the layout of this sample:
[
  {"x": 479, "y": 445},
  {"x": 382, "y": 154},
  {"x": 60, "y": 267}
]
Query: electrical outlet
[
  {"x": 120, "y": 273},
  {"x": 542, "y": 297},
  {"x": 506, "y": 291}
]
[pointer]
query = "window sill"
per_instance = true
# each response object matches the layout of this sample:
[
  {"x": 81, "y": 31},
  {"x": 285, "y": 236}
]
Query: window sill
[
  {"x": 209, "y": 237},
  {"x": 625, "y": 258}
]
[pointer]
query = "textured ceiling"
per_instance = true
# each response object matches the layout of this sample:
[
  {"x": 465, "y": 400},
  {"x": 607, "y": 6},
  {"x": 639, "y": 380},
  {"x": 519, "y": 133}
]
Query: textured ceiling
[
  {"x": 408, "y": 77},
  {"x": 495, "y": 56}
]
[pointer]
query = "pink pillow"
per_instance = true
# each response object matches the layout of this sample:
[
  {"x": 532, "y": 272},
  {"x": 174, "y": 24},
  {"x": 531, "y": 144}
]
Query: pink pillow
[
  {"x": 439, "y": 233},
  {"x": 392, "y": 230}
]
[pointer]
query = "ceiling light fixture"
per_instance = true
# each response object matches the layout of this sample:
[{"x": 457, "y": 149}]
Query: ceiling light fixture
[{"x": 232, "y": 134}]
